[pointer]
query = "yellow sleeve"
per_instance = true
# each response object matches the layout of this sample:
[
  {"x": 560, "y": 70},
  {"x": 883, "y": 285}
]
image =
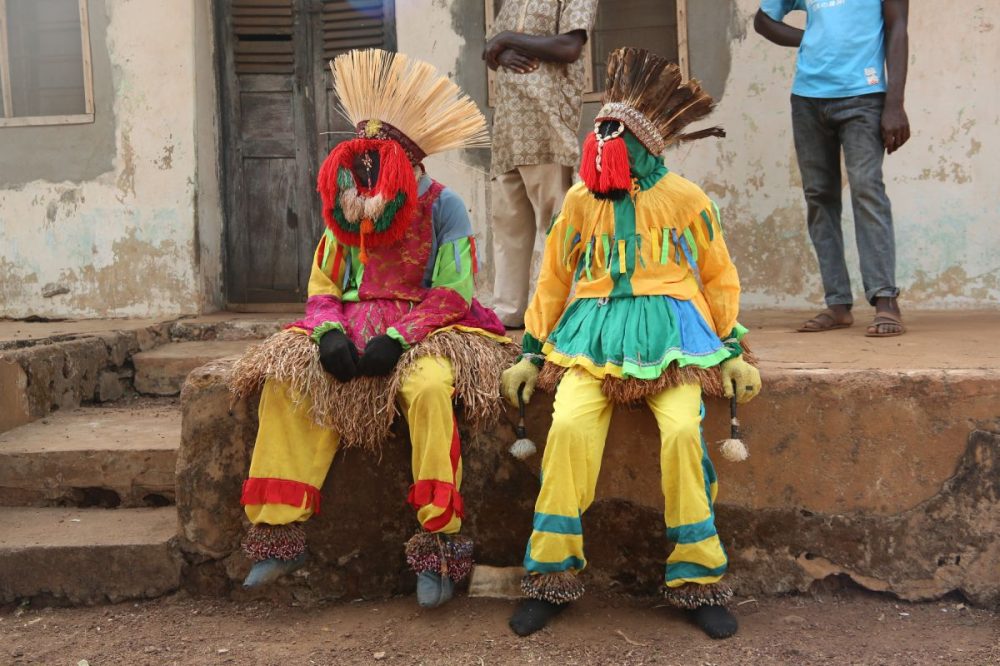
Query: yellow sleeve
[
  {"x": 555, "y": 280},
  {"x": 327, "y": 269},
  {"x": 719, "y": 279}
]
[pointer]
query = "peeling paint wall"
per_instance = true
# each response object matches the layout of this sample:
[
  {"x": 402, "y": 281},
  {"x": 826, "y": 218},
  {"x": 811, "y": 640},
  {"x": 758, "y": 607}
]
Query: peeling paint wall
[
  {"x": 944, "y": 200},
  {"x": 450, "y": 35},
  {"x": 143, "y": 237}
]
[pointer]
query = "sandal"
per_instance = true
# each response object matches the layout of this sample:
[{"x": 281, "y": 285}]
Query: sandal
[
  {"x": 824, "y": 321},
  {"x": 882, "y": 318}
]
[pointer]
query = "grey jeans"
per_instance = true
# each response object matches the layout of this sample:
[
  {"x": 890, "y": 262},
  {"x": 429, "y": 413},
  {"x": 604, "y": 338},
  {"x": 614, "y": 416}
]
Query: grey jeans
[{"x": 821, "y": 128}]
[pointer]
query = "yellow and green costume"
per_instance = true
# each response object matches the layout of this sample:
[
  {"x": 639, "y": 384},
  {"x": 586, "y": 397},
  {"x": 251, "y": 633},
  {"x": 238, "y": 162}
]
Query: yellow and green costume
[{"x": 637, "y": 300}]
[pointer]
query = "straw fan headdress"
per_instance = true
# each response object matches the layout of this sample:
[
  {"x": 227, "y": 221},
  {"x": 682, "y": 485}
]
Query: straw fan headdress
[{"x": 403, "y": 110}]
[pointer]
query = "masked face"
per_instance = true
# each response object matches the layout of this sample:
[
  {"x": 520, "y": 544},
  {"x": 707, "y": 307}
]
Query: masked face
[
  {"x": 604, "y": 167},
  {"x": 609, "y": 128},
  {"x": 366, "y": 168}
]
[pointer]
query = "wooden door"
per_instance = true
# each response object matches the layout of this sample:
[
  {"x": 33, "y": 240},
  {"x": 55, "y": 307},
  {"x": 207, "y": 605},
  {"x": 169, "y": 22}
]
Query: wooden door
[{"x": 279, "y": 122}]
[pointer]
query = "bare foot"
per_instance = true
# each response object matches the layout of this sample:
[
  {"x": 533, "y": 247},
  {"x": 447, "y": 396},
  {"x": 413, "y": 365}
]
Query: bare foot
[
  {"x": 834, "y": 317},
  {"x": 888, "y": 320}
]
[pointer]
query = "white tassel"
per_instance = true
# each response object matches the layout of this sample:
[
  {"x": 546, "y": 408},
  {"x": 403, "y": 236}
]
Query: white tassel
[
  {"x": 734, "y": 450},
  {"x": 523, "y": 449}
]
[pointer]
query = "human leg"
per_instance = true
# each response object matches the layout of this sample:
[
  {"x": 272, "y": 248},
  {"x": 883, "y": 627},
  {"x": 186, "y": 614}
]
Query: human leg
[
  {"x": 698, "y": 562},
  {"x": 291, "y": 458},
  {"x": 817, "y": 147},
  {"x": 546, "y": 186},
  {"x": 513, "y": 241},
  {"x": 859, "y": 123},
  {"x": 437, "y": 554},
  {"x": 570, "y": 467}
]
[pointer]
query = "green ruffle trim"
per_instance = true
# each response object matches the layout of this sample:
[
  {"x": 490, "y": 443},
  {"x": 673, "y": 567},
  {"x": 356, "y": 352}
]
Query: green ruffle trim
[
  {"x": 324, "y": 328},
  {"x": 732, "y": 341},
  {"x": 639, "y": 337},
  {"x": 644, "y": 371},
  {"x": 398, "y": 337},
  {"x": 531, "y": 348}
]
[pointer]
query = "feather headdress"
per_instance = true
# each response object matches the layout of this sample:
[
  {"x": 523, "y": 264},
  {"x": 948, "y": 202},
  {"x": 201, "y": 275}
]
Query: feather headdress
[
  {"x": 646, "y": 95},
  {"x": 402, "y": 110},
  {"x": 646, "y": 92}
]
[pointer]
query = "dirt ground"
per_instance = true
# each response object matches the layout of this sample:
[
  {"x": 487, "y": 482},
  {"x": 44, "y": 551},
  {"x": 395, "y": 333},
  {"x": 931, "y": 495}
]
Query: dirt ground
[{"x": 846, "y": 627}]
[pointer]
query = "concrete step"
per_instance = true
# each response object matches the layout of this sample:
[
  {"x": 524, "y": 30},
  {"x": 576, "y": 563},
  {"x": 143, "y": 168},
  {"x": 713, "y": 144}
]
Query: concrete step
[
  {"x": 86, "y": 556},
  {"x": 162, "y": 371},
  {"x": 109, "y": 456}
]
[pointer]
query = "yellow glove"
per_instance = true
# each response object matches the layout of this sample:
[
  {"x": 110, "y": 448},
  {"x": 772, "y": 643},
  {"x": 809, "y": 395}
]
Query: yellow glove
[
  {"x": 522, "y": 372},
  {"x": 745, "y": 376}
]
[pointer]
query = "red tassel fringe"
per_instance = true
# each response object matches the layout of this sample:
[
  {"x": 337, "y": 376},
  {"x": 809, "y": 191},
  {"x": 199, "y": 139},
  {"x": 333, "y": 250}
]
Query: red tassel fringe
[
  {"x": 588, "y": 164},
  {"x": 616, "y": 173},
  {"x": 395, "y": 176},
  {"x": 280, "y": 491}
]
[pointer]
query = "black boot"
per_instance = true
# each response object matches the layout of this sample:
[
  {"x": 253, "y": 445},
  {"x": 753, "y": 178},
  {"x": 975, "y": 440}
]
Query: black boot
[
  {"x": 715, "y": 621},
  {"x": 532, "y": 615}
]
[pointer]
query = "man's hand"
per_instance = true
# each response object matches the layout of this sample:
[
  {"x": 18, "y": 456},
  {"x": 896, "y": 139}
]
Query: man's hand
[
  {"x": 565, "y": 48},
  {"x": 517, "y": 62},
  {"x": 895, "y": 127},
  {"x": 521, "y": 373},
  {"x": 494, "y": 48},
  {"x": 381, "y": 355},
  {"x": 338, "y": 355}
]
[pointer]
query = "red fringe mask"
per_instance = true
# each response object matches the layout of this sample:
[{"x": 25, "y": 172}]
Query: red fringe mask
[
  {"x": 605, "y": 167},
  {"x": 396, "y": 184}
]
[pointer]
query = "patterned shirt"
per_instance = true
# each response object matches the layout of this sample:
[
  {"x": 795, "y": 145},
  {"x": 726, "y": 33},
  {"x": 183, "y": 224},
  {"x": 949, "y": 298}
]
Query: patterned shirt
[{"x": 537, "y": 115}]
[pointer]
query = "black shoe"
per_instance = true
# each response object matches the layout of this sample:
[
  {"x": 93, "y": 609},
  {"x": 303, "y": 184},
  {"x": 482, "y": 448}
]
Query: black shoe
[
  {"x": 715, "y": 621},
  {"x": 532, "y": 615}
]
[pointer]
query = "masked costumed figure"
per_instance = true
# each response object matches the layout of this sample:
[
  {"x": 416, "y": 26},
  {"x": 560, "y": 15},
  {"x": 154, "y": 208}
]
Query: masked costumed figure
[
  {"x": 391, "y": 323},
  {"x": 654, "y": 319}
]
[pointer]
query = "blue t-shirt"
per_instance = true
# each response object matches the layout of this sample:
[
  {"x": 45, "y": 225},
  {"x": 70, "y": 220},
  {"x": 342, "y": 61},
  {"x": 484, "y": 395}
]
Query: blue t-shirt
[{"x": 843, "y": 49}]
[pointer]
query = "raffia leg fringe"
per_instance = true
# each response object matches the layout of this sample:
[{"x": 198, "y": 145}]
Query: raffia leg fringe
[
  {"x": 556, "y": 588},
  {"x": 362, "y": 410},
  {"x": 446, "y": 554},
  {"x": 692, "y": 595},
  {"x": 282, "y": 542}
]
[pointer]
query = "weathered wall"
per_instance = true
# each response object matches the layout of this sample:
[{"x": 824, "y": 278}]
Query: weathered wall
[
  {"x": 134, "y": 230},
  {"x": 450, "y": 35},
  {"x": 943, "y": 199},
  {"x": 940, "y": 185}
]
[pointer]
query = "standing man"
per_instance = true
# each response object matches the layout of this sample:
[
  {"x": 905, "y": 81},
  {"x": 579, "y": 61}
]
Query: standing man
[
  {"x": 842, "y": 98},
  {"x": 536, "y": 52}
]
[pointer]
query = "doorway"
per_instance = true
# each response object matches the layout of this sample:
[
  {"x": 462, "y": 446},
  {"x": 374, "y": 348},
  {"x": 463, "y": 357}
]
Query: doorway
[{"x": 279, "y": 121}]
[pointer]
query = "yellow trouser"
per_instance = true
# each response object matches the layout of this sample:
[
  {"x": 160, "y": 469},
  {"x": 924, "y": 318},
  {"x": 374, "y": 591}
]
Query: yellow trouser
[
  {"x": 572, "y": 462},
  {"x": 292, "y": 454}
]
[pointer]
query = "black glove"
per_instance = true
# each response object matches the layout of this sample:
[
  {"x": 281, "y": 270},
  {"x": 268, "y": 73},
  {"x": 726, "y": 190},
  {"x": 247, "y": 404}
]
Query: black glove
[
  {"x": 380, "y": 357},
  {"x": 338, "y": 355}
]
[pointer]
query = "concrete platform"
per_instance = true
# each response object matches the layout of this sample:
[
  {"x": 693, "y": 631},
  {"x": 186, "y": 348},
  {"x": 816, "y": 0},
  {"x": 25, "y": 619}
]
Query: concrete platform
[
  {"x": 120, "y": 456},
  {"x": 952, "y": 340},
  {"x": 162, "y": 371},
  {"x": 13, "y": 332},
  {"x": 874, "y": 459},
  {"x": 87, "y": 556}
]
